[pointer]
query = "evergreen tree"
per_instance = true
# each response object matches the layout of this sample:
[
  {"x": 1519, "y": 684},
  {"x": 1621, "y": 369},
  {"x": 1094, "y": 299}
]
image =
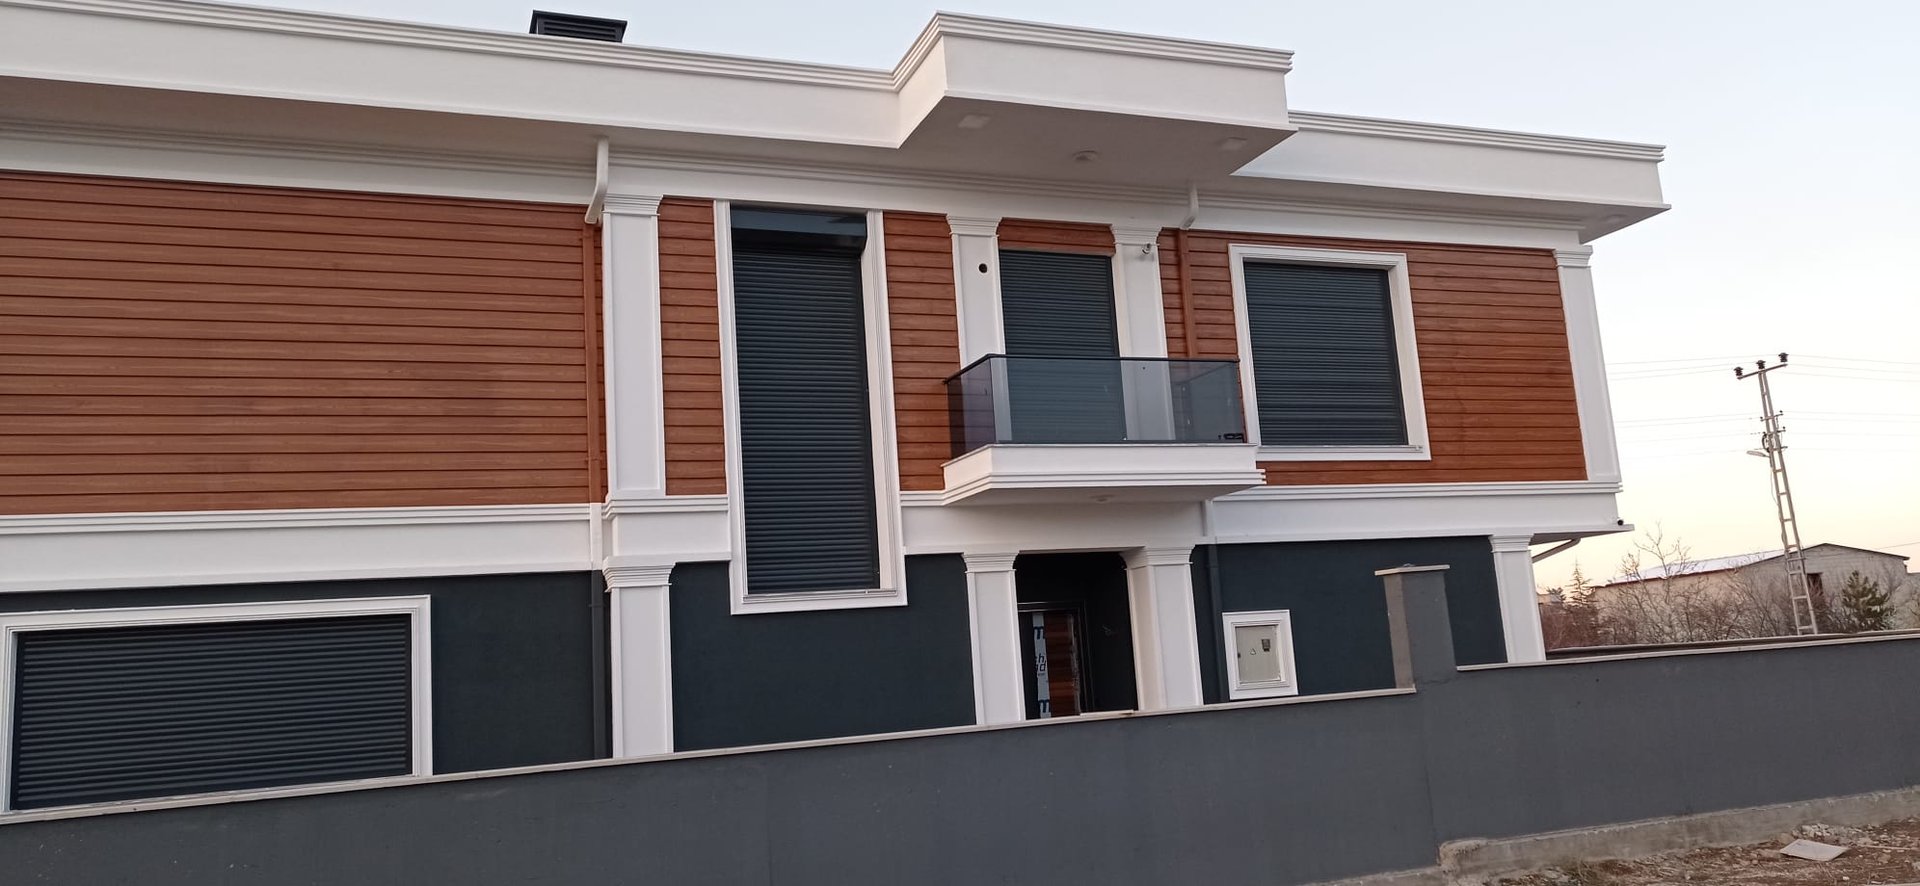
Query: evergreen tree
[{"x": 1864, "y": 605}]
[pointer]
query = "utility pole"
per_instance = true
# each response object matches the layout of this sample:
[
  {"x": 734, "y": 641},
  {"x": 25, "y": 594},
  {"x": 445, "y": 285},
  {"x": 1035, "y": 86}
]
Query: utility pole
[{"x": 1798, "y": 591}]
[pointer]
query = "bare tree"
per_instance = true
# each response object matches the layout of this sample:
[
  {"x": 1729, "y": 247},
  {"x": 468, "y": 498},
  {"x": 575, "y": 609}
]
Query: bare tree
[{"x": 1661, "y": 599}]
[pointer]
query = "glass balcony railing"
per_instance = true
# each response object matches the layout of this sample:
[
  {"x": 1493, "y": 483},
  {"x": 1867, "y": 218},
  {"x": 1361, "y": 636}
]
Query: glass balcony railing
[{"x": 1094, "y": 400}]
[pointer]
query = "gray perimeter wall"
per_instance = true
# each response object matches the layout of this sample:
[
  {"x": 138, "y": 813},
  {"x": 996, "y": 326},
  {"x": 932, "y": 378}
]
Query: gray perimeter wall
[{"x": 1277, "y": 794}]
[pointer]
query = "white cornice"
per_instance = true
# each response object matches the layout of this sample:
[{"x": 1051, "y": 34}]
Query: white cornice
[
  {"x": 1159, "y": 556},
  {"x": 1310, "y": 121},
  {"x": 632, "y": 204},
  {"x": 287, "y": 519},
  {"x": 1426, "y": 490},
  {"x": 374, "y": 30},
  {"x": 301, "y": 149},
  {"x": 1116, "y": 42},
  {"x": 667, "y": 504}
]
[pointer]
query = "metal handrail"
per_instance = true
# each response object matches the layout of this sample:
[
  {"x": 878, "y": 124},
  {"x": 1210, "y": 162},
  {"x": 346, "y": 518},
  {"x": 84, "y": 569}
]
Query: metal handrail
[{"x": 970, "y": 366}]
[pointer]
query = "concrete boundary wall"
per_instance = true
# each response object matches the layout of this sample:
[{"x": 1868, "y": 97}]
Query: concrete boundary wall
[{"x": 1281, "y": 793}]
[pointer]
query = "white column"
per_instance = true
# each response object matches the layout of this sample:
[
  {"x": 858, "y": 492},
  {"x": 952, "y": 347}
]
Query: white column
[
  {"x": 636, "y": 420},
  {"x": 1136, "y": 283},
  {"x": 642, "y": 659},
  {"x": 1166, "y": 647},
  {"x": 998, "y": 696},
  {"x": 1142, "y": 325},
  {"x": 1519, "y": 603},
  {"x": 976, "y": 286},
  {"x": 1589, "y": 363}
]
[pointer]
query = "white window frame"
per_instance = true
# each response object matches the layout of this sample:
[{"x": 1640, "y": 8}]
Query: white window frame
[
  {"x": 886, "y": 481},
  {"x": 1282, "y": 622},
  {"x": 417, "y": 608},
  {"x": 1400, "y": 290}
]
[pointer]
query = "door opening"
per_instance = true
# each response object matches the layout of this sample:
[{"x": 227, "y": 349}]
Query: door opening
[{"x": 1076, "y": 645}]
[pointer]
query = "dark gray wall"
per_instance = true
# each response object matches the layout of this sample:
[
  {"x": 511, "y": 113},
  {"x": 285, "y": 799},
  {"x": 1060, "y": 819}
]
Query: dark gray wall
[
  {"x": 1339, "y": 619},
  {"x": 1280, "y": 794},
  {"x": 513, "y": 669},
  {"x": 788, "y": 676}
]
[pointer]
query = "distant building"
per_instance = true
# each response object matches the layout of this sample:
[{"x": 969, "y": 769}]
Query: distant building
[{"x": 1740, "y": 596}]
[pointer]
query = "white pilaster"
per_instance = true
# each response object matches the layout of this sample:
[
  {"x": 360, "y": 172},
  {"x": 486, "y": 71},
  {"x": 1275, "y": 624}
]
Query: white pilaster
[
  {"x": 1166, "y": 645},
  {"x": 1519, "y": 603},
  {"x": 1589, "y": 363},
  {"x": 976, "y": 286},
  {"x": 636, "y": 420},
  {"x": 998, "y": 696},
  {"x": 642, "y": 659},
  {"x": 1136, "y": 277}
]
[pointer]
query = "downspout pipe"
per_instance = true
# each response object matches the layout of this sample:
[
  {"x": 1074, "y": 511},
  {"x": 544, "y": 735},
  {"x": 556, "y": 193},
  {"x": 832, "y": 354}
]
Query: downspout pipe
[
  {"x": 1555, "y": 549},
  {"x": 1184, "y": 265},
  {"x": 601, "y": 162}
]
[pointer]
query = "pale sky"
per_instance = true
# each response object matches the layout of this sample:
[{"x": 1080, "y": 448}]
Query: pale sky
[{"x": 1793, "y": 165}]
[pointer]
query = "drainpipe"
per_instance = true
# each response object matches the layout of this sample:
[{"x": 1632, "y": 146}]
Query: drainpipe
[
  {"x": 1183, "y": 261},
  {"x": 601, "y": 161},
  {"x": 1555, "y": 549},
  {"x": 1215, "y": 607}
]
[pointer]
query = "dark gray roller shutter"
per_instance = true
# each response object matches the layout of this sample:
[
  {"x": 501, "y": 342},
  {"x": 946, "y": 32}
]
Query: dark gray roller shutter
[
  {"x": 806, "y": 447},
  {"x": 127, "y": 713},
  {"x": 1324, "y": 363},
  {"x": 1061, "y": 305}
]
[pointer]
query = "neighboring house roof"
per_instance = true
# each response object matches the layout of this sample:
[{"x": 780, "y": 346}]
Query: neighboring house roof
[{"x": 1710, "y": 565}]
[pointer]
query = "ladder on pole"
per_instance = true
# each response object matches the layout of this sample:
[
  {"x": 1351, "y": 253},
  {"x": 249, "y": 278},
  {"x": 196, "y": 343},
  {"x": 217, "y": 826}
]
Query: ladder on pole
[{"x": 1799, "y": 590}]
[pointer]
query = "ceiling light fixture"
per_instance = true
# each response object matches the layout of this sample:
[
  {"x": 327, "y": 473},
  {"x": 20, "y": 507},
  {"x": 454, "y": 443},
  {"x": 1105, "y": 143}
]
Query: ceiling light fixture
[
  {"x": 974, "y": 121},
  {"x": 1233, "y": 144},
  {"x": 1086, "y": 157}
]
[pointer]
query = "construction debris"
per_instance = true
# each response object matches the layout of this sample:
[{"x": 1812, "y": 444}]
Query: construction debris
[
  {"x": 1813, "y": 851},
  {"x": 1882, "y": 855}
]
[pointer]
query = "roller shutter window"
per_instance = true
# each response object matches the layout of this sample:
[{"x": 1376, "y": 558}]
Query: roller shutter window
[
  {"x": 1325, "y": 366},
  {"x": 806, "y": 445},
  {"x": 124, "y": 713},
  {"x": 1061, "y": 305}
]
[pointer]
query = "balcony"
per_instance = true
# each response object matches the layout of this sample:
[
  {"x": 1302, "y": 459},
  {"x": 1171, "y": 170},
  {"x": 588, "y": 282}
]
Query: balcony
[{"x": 1030, "y": 430}]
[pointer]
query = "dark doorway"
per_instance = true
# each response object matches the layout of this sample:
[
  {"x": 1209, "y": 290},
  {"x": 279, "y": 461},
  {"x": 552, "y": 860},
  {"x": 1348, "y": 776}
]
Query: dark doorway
[{"x": 1076, "y": 650}]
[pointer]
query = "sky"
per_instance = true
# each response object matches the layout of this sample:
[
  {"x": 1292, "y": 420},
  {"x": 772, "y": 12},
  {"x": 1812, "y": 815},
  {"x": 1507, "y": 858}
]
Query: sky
[{"x": 1793, "y": 166}]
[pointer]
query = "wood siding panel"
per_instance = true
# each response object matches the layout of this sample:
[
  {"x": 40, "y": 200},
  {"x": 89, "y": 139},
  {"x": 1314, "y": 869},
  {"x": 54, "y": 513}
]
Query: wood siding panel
[
  {"x": 182, "y": 346},
  {"x": 1049, "y": 236},
  {"x": 690, "y": 341},
  {"x": 1491, "y": 335},
  {"x": 923, "y": 316}
]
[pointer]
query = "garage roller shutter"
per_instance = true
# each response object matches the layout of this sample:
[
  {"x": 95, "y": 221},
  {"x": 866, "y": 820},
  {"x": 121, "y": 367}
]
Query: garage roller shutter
[{"x": 125, "y": 713}]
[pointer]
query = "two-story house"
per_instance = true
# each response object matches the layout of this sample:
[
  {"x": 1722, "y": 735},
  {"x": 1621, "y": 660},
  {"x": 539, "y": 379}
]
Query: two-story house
[{"x": 381, "y": 399}]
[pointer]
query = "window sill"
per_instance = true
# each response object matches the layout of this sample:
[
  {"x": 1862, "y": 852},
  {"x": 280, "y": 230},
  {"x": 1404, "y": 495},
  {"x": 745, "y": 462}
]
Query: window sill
[
  {"x": 1344, "y": 453},
  {"x": 814, "y": 601},
  {"x": 1253, "y": 691}
]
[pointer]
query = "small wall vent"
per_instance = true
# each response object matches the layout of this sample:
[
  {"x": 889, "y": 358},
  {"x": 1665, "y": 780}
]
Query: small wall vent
[{"x": 578, "y": 27}]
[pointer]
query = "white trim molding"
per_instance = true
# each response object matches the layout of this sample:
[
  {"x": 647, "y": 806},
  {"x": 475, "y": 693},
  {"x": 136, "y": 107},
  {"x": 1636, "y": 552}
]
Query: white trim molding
[
  {"x": 641, "y": 657},
  {"x": 633, "y": 370},
  {"x": 999, "y": 693},
  {"x": 1582, "y": 311},
  {"x": 1400, "y": 287},
  {"x": 892, "y": 590},
  {"x": 976, "y": 285},
  {"x": 1281, "y": 621},
  {"x": 420, "y": 647},
  {"x": 1138, "y": 301},
  {"x": 1519, "y": 601},
  {"x": 84, "y": 551}
]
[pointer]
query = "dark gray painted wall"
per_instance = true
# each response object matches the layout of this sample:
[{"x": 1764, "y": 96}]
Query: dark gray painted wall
[
  {"x": 1339, "y": 619},
  {"x": 513, "y": 669},
  {"x": 788, "y": 676},
  {"x": 1281, "y": 794}
]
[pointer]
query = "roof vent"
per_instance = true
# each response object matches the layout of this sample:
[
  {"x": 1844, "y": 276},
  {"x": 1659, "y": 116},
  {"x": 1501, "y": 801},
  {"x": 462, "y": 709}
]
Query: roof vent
[{"x": 579, "y": 27}]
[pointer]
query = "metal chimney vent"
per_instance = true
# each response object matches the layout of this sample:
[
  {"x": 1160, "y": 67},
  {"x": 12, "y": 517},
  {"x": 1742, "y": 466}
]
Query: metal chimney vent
[{"x": 579, "y": 27}]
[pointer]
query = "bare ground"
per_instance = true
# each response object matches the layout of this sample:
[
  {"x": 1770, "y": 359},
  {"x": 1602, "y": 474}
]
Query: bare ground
[{"x": 1883, "y": 854}]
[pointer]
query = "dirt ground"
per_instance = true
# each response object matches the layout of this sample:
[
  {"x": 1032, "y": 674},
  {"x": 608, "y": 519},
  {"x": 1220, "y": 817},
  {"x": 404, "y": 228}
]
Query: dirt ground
[{"x": 1883, "y": 854}]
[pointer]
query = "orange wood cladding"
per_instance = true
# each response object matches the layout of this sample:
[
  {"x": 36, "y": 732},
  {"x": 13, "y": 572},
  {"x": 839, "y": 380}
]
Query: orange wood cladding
[
  {"x": 1047, "y": 236},
  {"x": 925, "y": 329},
  {"x": 171, "y": 346},
  {"x": 1494, "y": 365},
  {"x": 690, "y": 349}
]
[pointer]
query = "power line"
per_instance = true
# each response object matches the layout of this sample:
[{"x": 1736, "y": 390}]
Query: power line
[{"x": 1860, "y": 360}]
